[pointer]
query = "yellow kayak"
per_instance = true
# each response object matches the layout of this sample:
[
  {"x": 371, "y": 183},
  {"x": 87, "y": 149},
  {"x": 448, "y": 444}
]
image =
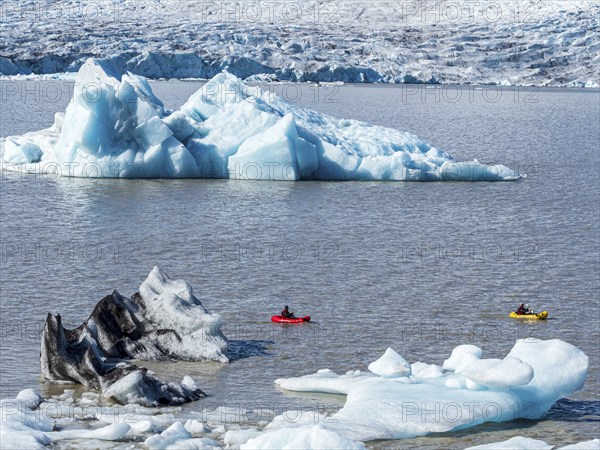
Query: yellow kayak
[{"x": 538, "y": 316}]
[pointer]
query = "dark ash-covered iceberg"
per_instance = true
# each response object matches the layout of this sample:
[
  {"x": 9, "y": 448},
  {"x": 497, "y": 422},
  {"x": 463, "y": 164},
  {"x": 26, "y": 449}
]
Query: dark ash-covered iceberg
[{"x": 164, "y": 320}]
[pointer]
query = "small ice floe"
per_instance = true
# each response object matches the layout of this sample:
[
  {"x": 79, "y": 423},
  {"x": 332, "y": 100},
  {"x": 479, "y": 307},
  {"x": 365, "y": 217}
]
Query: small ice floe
[{"x": 393, "y": 403}]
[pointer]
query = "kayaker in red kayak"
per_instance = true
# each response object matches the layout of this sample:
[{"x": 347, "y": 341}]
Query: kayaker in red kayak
[{"x": 286, "y": 313}]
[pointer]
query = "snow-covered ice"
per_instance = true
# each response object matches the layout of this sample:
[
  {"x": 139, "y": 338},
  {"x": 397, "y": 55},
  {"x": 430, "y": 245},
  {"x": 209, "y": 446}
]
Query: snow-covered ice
[
  {"x": 524, "y": 443},
  {"x": 67, "y": 420},
  {"x": 324, "y": 380},
  {"x": 515, "y": 443},
  {"x": 20, "y": 425},
  {"x": 525, "y": 384},
  {"x": 116, "y": 127},
  {"x": 171, "y": 305},
  {"x": 390, "y": 365},
  {"x": 497, "y": 373},
  {"x": 462, "y": 354},
  {"x": 594, "y": 444},
  {"x": 511, "y": 43},
  {"x": 304, "y": 437},
  {"x": 178, "y": 437},
  {"x": 235, "y": 438}
]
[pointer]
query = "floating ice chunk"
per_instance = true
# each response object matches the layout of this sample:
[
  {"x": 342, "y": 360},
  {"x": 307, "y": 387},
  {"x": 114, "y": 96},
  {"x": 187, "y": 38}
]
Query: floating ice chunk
[
  {"x": 296, "y": 418},
  {"x": 389, "y": 408},
  {"x": 566, "y": 378},
  {"x": 21, "y": 426},
  {"x": 142, "y": 426},
  {"x": 116, "y": 127},
  {"x": 220, "y": 429},
  {"x": 504, "y": 373},
  {"x": 22, "y": 152},
  {"x": 163, "y": 320},
  {"x": 29, "y": 398},
  {"x": 130, "y": 388},
  {"x": 594, "y": 444},
  {"x": 475, "y": 171},
  {"x": 235, "y": 438},
  {"x": 390, "y": 365},
  {"x": 325, "y": 381},
  {"x": 550, "y": 381},
  {"x": 170, "y": 436},
  {"x": 112, "y": 432},
  {"x": 195, "y": 427},
  {"x": 171, "y": 304},
  {"x": 425, "y": 371},
  {"x": 460, "y": 353},
  {"x": 189, "y": 383},
  {"x": 515, "y": 443},
  {"x": 305, "y": 437}
]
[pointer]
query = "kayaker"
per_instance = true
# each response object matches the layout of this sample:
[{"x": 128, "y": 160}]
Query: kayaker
[
  {"x": 523, "y": 309},
  {"x": 286, "y": 312}
]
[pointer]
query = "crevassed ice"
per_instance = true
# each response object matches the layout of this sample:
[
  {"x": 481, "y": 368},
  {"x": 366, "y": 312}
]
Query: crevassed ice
[{"x": 116, "y": 127}]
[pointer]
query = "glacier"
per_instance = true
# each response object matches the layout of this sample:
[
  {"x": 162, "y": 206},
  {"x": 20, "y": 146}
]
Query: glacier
[
  {"x": 521, "y": 42},
  {"x": 115, "y": 127}
]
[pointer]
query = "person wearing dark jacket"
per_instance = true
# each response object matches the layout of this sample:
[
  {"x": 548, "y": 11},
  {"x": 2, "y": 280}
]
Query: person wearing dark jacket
[
  {"x": 286, "y": 313},
  {"x": 523, "y": 309}
]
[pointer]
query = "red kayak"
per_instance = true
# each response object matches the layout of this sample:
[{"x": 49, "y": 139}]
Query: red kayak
[{"x": 281, "y": 319}]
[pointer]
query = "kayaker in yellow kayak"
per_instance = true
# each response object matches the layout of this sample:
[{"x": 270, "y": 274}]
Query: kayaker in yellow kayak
[
  {"x": 524, "y": 312},
  {"x": 524, "y": 309}
]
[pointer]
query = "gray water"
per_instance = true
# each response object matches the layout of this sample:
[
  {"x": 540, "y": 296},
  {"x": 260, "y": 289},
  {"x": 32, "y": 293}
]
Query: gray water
[{"x": 420, "y": 267}]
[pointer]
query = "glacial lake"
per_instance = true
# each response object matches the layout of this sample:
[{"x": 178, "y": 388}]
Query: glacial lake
[{"x": 419, "y": 267}]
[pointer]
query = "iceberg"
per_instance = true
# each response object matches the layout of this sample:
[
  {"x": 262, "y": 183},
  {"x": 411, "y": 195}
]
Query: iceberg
[
  {"x": 308, "y": 437},
  {"x": 21, "y": 426},
  {"x": 164, "y": 320},
  {"x": 523, "y": 443},
  {"x": 398, "y": 401},
  {"x": 70, "y": 418},
  {"x": 116, "y": 127},
  {"x": 391, "y": 365},
  {"x": 515, "y": 443}
]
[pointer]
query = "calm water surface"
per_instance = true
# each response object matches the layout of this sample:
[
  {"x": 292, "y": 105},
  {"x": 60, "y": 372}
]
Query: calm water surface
[{"x": 420, "y": 267}]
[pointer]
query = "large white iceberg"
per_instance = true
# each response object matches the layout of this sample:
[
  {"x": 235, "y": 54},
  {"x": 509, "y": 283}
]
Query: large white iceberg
[
  {"x": 116, "y": 127},
  {"x": 471, "y": 391}
]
